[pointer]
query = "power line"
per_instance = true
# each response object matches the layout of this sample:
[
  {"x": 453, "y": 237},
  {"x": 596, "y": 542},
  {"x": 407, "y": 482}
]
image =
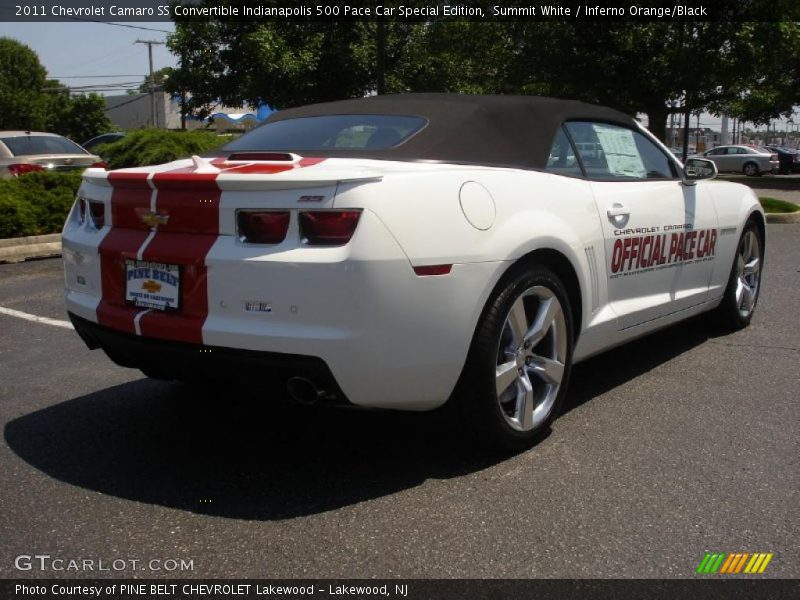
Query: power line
[
  {"x": 119, "y": 24},
  {"x": 134, "y": 99},
  {"x": 95, "y": 76}
]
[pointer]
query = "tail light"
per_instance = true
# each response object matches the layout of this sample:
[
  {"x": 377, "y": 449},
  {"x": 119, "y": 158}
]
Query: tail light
[
  {"x": 97, "y": 212},
  {"x": 328, "y": 227},
  {"x": 773, "y": 157},
  {"x": 262, "y": 227},
  {"x": 100, "y": 164},
  {"x": 20, "y": 169},
  {"x": 82, "y": 209}
]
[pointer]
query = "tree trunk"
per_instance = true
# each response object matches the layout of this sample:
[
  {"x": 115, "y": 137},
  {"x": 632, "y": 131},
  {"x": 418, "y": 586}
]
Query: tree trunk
[
  {"x": 687, "y": 113},
  {"x": 657, "y": 121}
]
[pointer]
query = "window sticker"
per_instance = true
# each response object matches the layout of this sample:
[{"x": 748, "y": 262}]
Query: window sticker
[{"x": 620, "y": 150}]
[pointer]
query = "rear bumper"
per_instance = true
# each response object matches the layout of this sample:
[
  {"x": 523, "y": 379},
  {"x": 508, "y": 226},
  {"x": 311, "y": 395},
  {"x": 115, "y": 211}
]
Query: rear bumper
[{"x": 192, "y": 362}]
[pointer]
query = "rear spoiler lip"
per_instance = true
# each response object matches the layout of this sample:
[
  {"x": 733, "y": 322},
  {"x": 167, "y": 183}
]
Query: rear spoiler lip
[{"x": 290, "y": 179}]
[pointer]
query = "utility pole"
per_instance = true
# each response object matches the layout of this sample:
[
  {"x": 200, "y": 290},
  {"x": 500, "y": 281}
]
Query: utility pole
[{"x": 150, "y": 44}]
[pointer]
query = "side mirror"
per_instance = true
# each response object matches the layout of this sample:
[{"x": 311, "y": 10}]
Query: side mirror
[{"x": 698, "y": 168}]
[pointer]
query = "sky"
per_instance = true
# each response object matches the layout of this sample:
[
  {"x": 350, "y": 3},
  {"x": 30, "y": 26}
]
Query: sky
[{"x": 68, "y": 50}]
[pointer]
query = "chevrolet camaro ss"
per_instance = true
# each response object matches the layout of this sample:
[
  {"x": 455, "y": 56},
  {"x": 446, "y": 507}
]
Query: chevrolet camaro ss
[{"x": 409, "y": 251}]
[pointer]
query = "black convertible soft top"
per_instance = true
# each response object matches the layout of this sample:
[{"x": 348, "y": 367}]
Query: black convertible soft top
[{"x": 516, "y": 131}]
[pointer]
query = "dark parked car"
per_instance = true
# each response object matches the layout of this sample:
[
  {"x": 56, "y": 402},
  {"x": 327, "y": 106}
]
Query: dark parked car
[
  {"x": 789, "y": 159},
  {"x": 106, "y": 138}
]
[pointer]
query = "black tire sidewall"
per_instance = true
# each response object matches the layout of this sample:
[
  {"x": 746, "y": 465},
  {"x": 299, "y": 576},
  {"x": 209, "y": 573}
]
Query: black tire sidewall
[
  {"x": 476, "y": 390},
  {"x": 728, "y": 315}
]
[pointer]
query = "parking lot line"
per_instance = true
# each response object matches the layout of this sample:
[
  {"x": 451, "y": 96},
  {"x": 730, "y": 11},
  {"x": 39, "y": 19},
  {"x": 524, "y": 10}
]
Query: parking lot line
[{"x": 35, "y": 318}]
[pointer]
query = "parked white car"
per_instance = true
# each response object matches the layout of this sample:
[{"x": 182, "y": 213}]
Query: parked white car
[
  {"x": 749, "y": 160},
  {"x": 406, "y": 251}
]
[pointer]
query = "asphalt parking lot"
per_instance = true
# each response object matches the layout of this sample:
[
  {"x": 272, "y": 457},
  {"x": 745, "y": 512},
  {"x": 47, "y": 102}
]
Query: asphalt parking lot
[{"x": 678, "y": 444}]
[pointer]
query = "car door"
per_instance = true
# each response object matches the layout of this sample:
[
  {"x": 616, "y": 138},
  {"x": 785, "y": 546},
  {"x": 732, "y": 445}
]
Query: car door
[
  {"x": 718, "y": 155},
  {"x": 657, "y": 231}
]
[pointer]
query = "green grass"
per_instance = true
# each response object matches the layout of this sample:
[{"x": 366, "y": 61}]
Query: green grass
[{"x": 773, "y": 205}]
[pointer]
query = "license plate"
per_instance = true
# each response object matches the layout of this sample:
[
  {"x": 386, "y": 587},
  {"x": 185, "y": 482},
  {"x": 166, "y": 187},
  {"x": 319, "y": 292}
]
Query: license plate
[{"x": 152, "y": 285}]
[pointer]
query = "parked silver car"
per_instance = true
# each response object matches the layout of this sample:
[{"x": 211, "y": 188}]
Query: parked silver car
[
  {"x": 749, "y": 160},
  {"x": 25, "y": 151}
]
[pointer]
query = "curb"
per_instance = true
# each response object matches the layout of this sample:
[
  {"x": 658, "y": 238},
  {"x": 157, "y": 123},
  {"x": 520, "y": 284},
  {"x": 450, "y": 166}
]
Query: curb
[
  {"x": 14, "y": 250},
  {"x": 783, "y": 217}
]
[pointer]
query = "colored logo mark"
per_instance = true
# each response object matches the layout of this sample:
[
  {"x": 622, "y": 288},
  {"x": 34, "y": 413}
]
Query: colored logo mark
[
  {"x": 730, "y": 563},
  {"x": 151, "y": 286}
]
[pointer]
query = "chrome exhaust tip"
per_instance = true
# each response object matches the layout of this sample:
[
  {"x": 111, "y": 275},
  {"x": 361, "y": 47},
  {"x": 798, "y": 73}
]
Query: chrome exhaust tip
[{"x": 303, "y": 390}]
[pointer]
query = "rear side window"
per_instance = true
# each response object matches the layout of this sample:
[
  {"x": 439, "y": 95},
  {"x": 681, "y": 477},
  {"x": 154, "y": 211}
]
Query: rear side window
[
  {"x": 31, "y": 145},
  {"x": 614, "y": 152},
  {"x": 365, "y": 132},
  {"x": 562, "y": 159}
]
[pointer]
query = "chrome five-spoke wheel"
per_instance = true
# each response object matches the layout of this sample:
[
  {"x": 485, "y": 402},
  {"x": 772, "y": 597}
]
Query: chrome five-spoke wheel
[
  {"x": 748, "y": 272},
  {"x": 531, "y": 358}
]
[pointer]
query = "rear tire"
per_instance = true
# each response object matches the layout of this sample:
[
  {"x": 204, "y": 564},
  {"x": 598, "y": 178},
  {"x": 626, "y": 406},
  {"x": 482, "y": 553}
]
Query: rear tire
[
  {"x": 517, "y": 370},
  {"x": 744, "y": 284},
  {"x": 751, "y": 169}
]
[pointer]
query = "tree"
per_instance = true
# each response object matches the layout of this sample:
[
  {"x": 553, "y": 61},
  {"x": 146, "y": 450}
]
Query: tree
[
  {"x": 775, "y": 89},
  {"x": 22, "y": 79},
  {"x": 160, "y": 78},
  {"x": 282, "y": 63},
  {"x": 742, "y": 67},
  {"x": 84, "y": 118}
]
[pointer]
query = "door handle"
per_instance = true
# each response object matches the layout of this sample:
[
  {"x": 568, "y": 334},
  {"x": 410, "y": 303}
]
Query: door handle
[{"x": 617, "y": 210}]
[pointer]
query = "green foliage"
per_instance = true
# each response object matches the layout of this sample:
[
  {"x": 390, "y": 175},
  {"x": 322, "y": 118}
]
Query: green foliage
[
  {"x": 155, "y": 146},
  {"x": 284, "y": 63},
  {"x": 36, "y": 203},
  {"x": 160, "y": 79},
  {"x": 773, "y": 205},
  {"x": 738, "y": 65},
  {"x": 30, "y": 101},
  {"x": 77, "y": 117},
  {"x": 22, "y": 79}
]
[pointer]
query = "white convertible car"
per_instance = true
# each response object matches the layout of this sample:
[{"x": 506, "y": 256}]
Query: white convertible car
[{"x": 408, "y": 251}]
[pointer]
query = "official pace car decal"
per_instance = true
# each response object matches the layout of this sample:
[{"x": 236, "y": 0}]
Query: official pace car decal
[{"x": 645, "y": 249}]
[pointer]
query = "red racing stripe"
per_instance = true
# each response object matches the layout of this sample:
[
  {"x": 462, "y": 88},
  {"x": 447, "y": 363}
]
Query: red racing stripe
[
  {"x": 192, "y": 203},
  {"x": 117, "y": 246},
  {"x": 130, "y": 197}
]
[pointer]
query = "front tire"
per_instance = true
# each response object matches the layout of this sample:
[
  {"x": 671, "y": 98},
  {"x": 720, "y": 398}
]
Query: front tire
[
  {"x": 518, "y": 367},
  {"x": 744, "y": 284}
]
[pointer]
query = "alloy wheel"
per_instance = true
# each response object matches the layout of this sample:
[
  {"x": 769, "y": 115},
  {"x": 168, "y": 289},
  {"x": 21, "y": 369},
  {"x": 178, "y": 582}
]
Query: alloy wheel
[
  {"x": 531, "y": 358},
  {"x": 748, "y": 273}
]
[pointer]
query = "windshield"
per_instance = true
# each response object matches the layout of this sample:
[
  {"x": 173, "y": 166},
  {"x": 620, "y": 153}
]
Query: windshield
[
  {"x": 365, "y": 132},
  {"x": 31, "y": 145}
]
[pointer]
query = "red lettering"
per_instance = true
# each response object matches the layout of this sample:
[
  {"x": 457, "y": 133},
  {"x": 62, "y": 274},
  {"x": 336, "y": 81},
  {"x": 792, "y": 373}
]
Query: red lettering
[
  {"x": 644, "y": 259},
  {"x": 673, "y": 246},
  {"x": 691, "y": 241},
  {"x": 634, "y": 251},
  {"x": 680, "y": 247},
  {"x": 626, "y": 249},
  {"x": 616, "y": 256},
  {"x": 712, "y": 242}
]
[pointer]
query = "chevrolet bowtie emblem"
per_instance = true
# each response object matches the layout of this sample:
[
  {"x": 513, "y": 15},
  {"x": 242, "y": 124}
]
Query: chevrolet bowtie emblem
[
  {"x": 151, "y": 286},
  {"x": 153, "y": 220}
]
